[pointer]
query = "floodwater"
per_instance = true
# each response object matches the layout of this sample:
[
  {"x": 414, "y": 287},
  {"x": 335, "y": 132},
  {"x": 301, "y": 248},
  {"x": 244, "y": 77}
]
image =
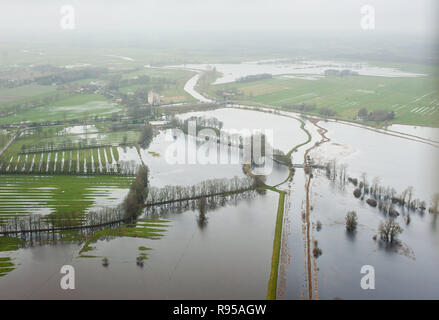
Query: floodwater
[
  {"x": 285, "y": 131},
  {"x": 232, "y": 72},
  {"x": 423, "y": 132},
  {"x": 398, "y": 162},
  {"x": 230, "y": 258},
  {"x": 282, "y": 132},
  {"x": 407, "y": 273},
  {"x": 171, "y": 159}
]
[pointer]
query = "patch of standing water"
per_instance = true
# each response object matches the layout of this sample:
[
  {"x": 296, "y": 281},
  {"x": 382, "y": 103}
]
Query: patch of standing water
[
  {"x": 79, "y": 129},
  {"x": 428, "y": 133}
]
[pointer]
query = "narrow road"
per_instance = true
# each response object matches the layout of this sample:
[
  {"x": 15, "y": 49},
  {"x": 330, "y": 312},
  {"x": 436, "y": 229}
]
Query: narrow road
[{"x": 189, "y": 87}]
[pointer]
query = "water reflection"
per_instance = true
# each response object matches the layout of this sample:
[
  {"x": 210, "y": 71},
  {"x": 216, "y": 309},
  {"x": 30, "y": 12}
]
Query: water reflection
[{"x": 202, "y": 208}]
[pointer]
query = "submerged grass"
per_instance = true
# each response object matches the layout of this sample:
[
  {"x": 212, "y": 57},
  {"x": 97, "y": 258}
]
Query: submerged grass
[
  {"x": 145, "y": 231},
  {"x": 64, "y": 194},
  {"x": 10, "y": 243}
]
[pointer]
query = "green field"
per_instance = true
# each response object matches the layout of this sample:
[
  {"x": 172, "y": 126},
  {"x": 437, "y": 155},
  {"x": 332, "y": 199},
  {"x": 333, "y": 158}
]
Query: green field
[
  {"x": 414, "y": 100},
  {"x": 18, "y": 94},
  {"x": 4, "y": 138},
  {"x": 21, "y": 195},
  {"x": 74, "y": 107}
]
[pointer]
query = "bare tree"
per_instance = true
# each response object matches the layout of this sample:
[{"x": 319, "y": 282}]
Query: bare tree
[
  {"x": 389, "y": 230},
  {"x": 434, "y": 204},
  {"x": 409, "y": 196}
]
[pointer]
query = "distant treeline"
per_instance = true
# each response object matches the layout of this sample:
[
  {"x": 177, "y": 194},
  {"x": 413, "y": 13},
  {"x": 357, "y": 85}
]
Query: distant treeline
[
  {"x": 200, "y": 122},
  {"x": 255, "y": 77},
  {"x": 338, "y": 73},
  {"x": 376, "y": 115},
  {"x": 62, "y": 75},
  {"x": 310, "y": 108}
]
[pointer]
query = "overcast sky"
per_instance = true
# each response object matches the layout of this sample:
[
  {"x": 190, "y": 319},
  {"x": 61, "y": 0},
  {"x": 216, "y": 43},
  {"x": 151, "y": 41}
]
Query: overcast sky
[{"x": 414, "y": 17}]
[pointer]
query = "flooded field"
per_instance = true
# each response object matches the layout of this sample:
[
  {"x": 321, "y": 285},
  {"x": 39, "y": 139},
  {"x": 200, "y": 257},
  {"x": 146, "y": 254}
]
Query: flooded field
[
  {"x": 234, "y": 240},
  {"x": 407, "y": 163},
  {"x": 232, "y": 72},
  {"x": 21, "y": 195},
  {"x": 286, "y": 131},
  {"x": 336, "y": 271},
  {"x": 187, "y": 262}
]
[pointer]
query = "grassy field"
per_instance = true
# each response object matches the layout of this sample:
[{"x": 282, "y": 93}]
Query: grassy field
[
  {"x": 414, "y": 100},
  {"x": 14, "y": 95},
  {"x": 21, "y": 195},
  {"x": 74, "y": 107},
  {"x": 272, "y": 282},
  {"x": 4, "y": 138},
  {"x": 8, "y": 244},
  {"x": 146, "y": 229}
]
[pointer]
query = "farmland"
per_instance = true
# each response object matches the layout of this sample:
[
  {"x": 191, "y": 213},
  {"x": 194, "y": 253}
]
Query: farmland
[
  {"x": 74, "y": 107},
  {"x": 415, "y": 101},
  {"x": 56, "y": 151},
  {"x": 90, "y": 171},
  {"x": 23, "y": 92},
  {"x": 22, "y": 195}
]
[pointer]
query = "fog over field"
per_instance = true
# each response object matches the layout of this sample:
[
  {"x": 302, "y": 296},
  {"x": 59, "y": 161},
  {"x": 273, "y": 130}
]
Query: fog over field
[
  {"x": 394, "y": 16},
  {"x": 404, "y": 30}
]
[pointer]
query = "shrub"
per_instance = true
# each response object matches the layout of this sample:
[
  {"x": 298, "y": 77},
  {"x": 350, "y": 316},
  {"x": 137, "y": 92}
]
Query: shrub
[
  {"x": 351, "y": 221},
  {"x": 317, "y": 252},
  {"x": 371, "y": 202},
  {"x": 354, "y": 181},
  {"x": 319, "y": 226},
  {"x": 393, "y": 212}
]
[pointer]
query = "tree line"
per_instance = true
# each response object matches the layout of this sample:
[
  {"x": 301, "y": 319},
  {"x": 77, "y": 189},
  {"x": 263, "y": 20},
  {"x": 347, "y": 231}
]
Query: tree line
[
  {"x": 208, "y": 188},
  {"x": 140, "y": 195},
  {"x": 376, "y": 195}
]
